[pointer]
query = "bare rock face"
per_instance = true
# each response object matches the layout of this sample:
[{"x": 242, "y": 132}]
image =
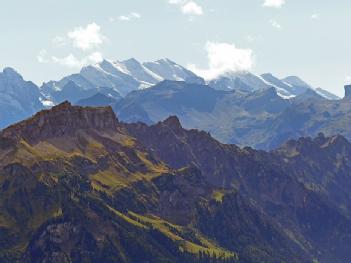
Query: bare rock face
[
  {"x": 63, "y": 119},
  {"x": 58, "y": 242}
]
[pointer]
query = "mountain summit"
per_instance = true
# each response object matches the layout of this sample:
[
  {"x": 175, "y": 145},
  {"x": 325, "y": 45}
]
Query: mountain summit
[
  {"x": 63, "y": 120},
  {"x": 19, "y": 99},
  {"x": 119, "y": 77}
]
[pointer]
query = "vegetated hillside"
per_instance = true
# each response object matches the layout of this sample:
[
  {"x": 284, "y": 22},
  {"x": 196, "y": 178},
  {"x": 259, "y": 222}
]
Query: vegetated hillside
[
  {"x": 79, "y": 186},
  {"x": 299, "y": 188}
]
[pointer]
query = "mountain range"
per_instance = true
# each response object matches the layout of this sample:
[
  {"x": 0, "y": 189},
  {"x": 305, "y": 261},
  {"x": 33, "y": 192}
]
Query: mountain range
[
  {"x": 261, "y": 119},
  {"x": 78, "y": 185},
  {"x": 119, "y": 77},
  {"x": 240, "y": 108}
]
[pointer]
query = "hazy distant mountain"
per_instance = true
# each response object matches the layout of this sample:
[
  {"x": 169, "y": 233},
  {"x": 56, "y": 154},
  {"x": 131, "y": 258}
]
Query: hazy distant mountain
[
  {"x": 287, "y": 88},
  {"x": 97, "y": 100},
  {"x": 169, "y": 70},
  {"x": 244, "y": 81},
  {"x": 326, "y": 94},
  {"x": 231, "y": 116},
  {"x": 19, "y": 99},
  {"x": 120, "y": 77},
  {"x": 168, "y": 98},
  {"x": 261, "y": 118},
  {"x": 73, "y": 92}
]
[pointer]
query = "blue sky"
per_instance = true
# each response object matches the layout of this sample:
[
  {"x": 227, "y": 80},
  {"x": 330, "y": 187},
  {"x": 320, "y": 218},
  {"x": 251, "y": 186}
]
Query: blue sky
[{"x": 47, "y": 39}]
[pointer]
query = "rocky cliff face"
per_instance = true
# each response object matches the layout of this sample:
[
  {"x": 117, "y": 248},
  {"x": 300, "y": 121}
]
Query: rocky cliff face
[
  {"x": 63, "y": 120},
  {"x": 298, "y": 186}
]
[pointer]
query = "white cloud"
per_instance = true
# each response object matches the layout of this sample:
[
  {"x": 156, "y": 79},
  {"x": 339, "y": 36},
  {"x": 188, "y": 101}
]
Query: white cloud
[
  {"x": 274, "y": 3},
  {"x": 348, "y": 80},
  {"x": 188, "y": 7},
  {"x": 224, "y": 58},
  {"x": 42, "y": 57},
  {"x": 250, "y": 38},
  {"x": 59, "y": 41},
  {"x": 192, "y": 8},
  {"x": 176, "y": 2},
  {"x": 275, "y": 24},
  {"x": 124, "y": 18},
  {"x": 129, "y": 17},
  {"x": 72, "y": 61},
  {"x": 87, "y": 38},
  {"x": 315, "y": 16},
  {"x": 135, "y": 15}
]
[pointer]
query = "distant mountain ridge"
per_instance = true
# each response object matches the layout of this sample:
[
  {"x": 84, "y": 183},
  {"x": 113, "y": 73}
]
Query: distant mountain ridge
[
  {"x": 19, "y": 99},
  {"x": 235, "y": 107},
  {"x": 122, "y": 77},
  {"x": 261, "y": 119},
  {"x": 287, "y": 88}
]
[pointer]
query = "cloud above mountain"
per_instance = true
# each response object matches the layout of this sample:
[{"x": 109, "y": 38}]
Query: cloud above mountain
[
  {"x": 87, "y": 38},
  {"x": 275, "y": 24},
  {"x": 72, "y": 61},
  {"x": 126, "y": 18},
  {"x": 315, "y": 16},
  {"x": 274, "y": 3},
  {"x": 224, "y": 58},
  {"x": 188, "y": 7}
]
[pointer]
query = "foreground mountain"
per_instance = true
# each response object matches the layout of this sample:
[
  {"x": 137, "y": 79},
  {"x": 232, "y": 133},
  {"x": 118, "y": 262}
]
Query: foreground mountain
[
  {"x": 261, "y": 118},
  {"x": 298, "y": 186},
  {"x": 70, "y": 179},
  {"x": 77, "y": 185},
  {"x": 19, "y": 99}
]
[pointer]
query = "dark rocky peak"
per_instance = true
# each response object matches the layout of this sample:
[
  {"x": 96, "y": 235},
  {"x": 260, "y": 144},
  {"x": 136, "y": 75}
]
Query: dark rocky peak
[
  {"x": 172, "y": 122},
  {"x": 308, "y": 146},
  {"x": 347, "y": 91},
  {"x": 321, "y": 139},
  {"x": 300, "y": 146},
  {"x": 337, "y": 141},
  {"x": 63, "y": 120}
]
